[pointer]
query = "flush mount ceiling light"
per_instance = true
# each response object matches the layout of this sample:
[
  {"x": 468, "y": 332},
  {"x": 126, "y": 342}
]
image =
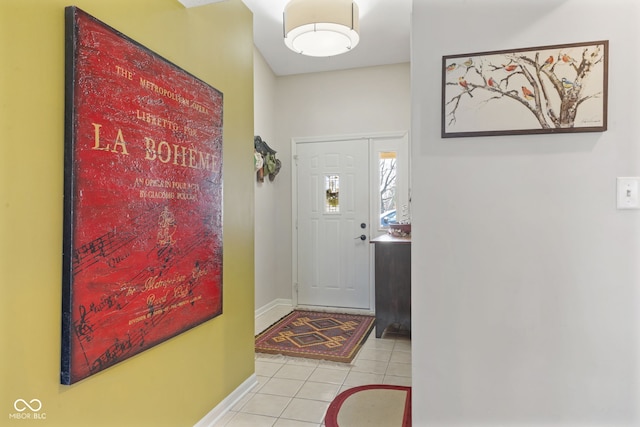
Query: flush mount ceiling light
[{"x": 321, "y": 27}]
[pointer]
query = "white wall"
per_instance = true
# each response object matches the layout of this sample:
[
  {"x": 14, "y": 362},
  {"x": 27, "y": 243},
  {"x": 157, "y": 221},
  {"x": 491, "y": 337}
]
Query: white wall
[
  {"x": 525, "y": 275},
  {"x": 266, "y": 233},
  {"x": 364, "y": 100}
]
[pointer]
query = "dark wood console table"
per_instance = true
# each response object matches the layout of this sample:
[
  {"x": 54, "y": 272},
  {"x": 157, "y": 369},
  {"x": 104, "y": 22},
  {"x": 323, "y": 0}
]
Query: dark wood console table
[{"x": 393, "y": 282}]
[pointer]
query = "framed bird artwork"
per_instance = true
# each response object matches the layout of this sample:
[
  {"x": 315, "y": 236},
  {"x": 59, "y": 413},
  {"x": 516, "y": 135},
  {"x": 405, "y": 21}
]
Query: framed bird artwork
[{"x": 547, "y": 89}]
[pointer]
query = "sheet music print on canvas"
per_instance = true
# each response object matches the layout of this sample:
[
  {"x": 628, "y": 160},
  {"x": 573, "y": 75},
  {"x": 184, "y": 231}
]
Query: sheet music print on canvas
[{"x": 143, "y": 199}]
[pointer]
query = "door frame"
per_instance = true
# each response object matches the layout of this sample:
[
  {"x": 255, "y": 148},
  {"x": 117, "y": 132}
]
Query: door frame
[{"x": 373, "y": 231}]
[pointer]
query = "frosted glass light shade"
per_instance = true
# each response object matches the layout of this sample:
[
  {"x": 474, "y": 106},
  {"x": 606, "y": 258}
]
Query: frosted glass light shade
[{"x": 321, "y": 27}]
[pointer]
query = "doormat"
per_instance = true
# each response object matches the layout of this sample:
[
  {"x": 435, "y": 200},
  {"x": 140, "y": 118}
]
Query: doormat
[
  {"x": 371, "y": 405},
  {"x": 316, "y": 335}
]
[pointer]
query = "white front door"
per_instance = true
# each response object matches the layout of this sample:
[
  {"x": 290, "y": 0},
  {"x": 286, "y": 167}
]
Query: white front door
[{"x": 333, "y": 226}]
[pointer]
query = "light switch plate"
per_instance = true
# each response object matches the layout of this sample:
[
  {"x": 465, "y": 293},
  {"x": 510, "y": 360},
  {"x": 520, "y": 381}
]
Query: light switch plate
[{"x": 628, "y": 188}]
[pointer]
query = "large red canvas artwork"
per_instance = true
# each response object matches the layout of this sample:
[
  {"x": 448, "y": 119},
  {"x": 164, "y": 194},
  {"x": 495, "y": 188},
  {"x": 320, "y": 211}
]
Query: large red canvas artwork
[{"x": 142, "y": 256}]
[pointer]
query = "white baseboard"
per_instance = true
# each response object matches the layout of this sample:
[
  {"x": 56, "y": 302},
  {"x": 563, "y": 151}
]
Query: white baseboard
[
  {"x": 275, "y": 303},
  {"x": 223, "y": 407},
  {"x": 326, "y": 309}
]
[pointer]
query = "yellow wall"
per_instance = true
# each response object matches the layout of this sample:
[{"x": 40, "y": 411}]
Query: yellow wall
[{"x": 175, "y": 383}]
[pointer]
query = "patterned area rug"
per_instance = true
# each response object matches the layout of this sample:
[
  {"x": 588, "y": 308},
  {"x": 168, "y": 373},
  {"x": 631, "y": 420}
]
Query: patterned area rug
[
  {"x": 316, "y": 335},
  {"x": 371, "y": 405}
]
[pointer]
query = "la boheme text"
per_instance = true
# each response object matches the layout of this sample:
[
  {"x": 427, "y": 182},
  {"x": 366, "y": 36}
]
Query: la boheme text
[{"x": 161, "y": 151}]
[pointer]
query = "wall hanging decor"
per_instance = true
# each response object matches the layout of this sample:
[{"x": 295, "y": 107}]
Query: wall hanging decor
[
  {"x": 265, "y": 162},
  {"x": 549, "y": 89},
  {"x": 142, "y": 255}
]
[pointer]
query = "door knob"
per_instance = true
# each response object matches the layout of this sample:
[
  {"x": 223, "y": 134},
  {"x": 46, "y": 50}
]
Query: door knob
[{"x": 362, "y": 237}]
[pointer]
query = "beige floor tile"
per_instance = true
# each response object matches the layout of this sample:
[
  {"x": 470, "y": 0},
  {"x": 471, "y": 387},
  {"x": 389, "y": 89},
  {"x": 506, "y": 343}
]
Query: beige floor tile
[
  {"x": 305, "y": 410},
  {"x": 327, "y": 375},
  {"x": 344, "y": 388},
  {"x": 294, "y": 423},
  {"x": 261, "y": 382},
  {"x": 294, "y": 372},
  {"x": 318, "y": 391},
  {"x": 362, "y": 378},
  {"x": 398, "y": 356},
  {"x": 274, "y": 358},
  {"x": 370, "y": 366},
  {"x": 250, "y": 420},
  {"x": 329, "y": 364},
  {"x": 243, "y": 400},
  {"x": 333, "y": 365},
  {"x": 301, "y": 361},
  {"x": 399, "y": 369},
  {"x": 393, "y": 380},
  {"x": 374, "y": 354},
  {"x": 266, "y": 404},
  {"x": 403, "y": 345},
  {"x": 380, "y": 344},
  {"x": 282, "y": 387},
  {"x": 226, "y": 418},
  {"x": 267, "y": 368}
]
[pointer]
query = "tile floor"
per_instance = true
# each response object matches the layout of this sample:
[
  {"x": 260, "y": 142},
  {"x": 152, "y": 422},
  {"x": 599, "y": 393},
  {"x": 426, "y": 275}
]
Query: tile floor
[{"x": 295, "y": 392}]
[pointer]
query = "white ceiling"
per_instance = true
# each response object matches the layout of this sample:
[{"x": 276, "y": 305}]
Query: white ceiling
[{"x": 384, "y": 36}]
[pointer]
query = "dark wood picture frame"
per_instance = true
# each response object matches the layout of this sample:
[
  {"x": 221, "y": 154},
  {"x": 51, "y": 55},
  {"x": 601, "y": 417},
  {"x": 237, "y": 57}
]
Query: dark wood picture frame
[
  {"x": 548, "y": 89},
  {"x": 142, "y": 234}
]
